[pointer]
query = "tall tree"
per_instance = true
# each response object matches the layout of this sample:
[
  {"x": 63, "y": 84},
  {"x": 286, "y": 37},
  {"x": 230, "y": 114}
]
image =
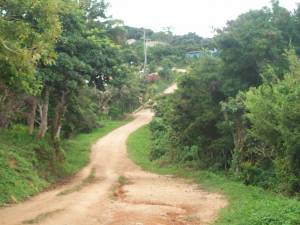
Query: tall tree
[
  {"x": 31, "y": 29},
  {"x": 249, "y": 43},
  {"x": 85, "y": 55}
]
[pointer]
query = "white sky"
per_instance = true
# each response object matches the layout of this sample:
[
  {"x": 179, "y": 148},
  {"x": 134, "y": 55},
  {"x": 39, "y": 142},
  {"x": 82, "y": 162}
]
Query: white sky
[{"x": 199, "y": 16}]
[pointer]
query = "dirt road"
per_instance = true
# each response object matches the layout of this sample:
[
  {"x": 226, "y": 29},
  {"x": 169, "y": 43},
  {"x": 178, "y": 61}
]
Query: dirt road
[
  {"x": 171, "y": 89},
  {"x": 113, "y": 190}
]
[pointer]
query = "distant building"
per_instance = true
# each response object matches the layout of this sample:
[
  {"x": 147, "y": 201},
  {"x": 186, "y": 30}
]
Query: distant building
[
  {"x": 155, "y": 43},
  {"x": 194, "y": 54},
  {"x": 199, "y": 54}
]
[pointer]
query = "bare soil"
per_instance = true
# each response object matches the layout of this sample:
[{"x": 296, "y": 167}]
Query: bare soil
[
  {"x": 171, "y": 89},
  {"x": 120, "y": 194}
]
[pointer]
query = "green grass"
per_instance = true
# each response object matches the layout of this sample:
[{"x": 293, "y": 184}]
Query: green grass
[
  {"x": 19, "y": 164},
  {"x": 42, "y": 217},
  {"x": 123, "y": 181},
  {"x": 247, "y": 205},
  {"x": 28, "y": 166},
  {"x": 88, "y": 180},
  {"x": 78, "y": 148}
]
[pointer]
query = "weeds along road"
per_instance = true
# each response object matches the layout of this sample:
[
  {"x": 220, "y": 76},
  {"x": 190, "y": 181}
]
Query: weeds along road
[{"x": 113, "y": 190}]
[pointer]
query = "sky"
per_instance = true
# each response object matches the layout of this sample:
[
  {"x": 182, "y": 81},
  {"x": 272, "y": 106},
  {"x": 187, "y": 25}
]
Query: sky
[{"x": 199, "y": 16}]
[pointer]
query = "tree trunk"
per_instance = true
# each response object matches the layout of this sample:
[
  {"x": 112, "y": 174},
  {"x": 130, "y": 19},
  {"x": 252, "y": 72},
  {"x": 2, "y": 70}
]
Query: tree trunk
[
  {"x": 239, "y": 138},
  {"x": 104, "y": 98},
  {"x": 43, "y": 108},
  {"x": 31, "y": 115},
  {"x": 59, "y": 112}
]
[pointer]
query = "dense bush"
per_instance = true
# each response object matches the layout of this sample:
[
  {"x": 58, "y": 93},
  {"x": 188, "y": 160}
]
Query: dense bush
[
  {"x": 254, "y": 135},
  {"x": 274, "y": 113},
  {"x": 192, "y": 116},
  {"x": 238, "y": 110}
]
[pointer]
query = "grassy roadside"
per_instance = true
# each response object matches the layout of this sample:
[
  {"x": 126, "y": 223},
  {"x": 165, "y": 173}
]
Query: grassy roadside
[
  {"x": 27, "y": 167},
  {"x": 78, "y": 149},
  {"x": 248, "y": 205}
]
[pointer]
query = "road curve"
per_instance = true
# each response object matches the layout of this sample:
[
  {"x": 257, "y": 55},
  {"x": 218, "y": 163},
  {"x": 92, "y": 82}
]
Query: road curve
[{"x": 119, "y": 194}]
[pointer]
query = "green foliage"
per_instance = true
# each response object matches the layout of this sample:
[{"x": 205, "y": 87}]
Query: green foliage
[
  {"x": 31, "y": 30},
  {"x": 247, "y": 205},
  {"x": 139, "y": 145},
  {"x": 78, "y": 148},
  {"x": 125, "y": 98},
  {"x": 18, "y": 160},
  {"x": 169, "y": 46},
  {"x": 234, "y": 114},
  {"x": 82, "y": 112},
  {"x": 273, "y": 111},
  {"x": 61, "y": 48},
  {"x": 249, "y": 43},
  {"x": 160, "y": 140},
  {"x": 166, "y": 69},
  {"x": 28, "y": 166},
  {"x": 237, "y": 110},
  {"x": 192, "y": 117},
  {"x": 137, "y": 33},
  {"x": 63, "y": 65},
  {"x": 190, "y": 42}
]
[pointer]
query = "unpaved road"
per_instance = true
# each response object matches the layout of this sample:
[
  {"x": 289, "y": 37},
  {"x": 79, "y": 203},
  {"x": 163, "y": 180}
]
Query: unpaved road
[
  {"x": 171, "y": 89},
  {"x": 120, "y": 193}
]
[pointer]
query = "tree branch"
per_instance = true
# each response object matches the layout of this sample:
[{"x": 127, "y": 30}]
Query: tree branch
[{"x": 8, "y": 48}]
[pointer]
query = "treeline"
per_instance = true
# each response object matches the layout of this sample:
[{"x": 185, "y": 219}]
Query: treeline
[
  {"x": 166, "y": 53},
  {"x": 169, "y": 48},
  {"x": 64, "y": 72},
  {"x": 63, "y": 63},
  {"x": 239, "y": 111}
]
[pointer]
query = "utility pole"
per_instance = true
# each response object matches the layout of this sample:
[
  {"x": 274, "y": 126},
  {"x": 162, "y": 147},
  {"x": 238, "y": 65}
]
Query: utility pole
[{"x": 145, "y": 53}]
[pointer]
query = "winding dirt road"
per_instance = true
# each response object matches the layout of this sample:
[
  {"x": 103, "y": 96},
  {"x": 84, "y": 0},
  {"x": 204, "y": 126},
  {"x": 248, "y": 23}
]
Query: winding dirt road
[{"x": 112, "y": 190}]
